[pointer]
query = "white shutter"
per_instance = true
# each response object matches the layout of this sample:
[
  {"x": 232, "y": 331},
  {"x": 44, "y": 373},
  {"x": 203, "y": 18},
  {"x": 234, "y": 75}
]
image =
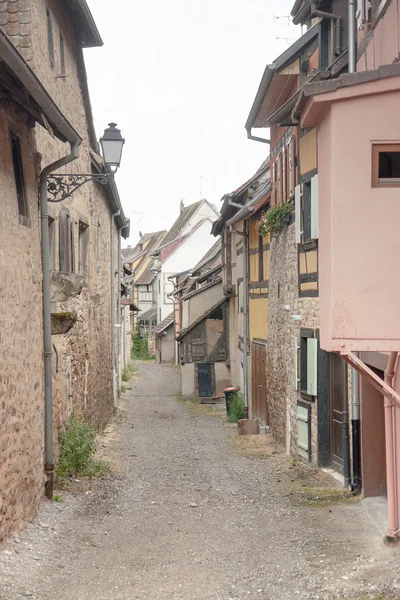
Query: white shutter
[
  {"x": 291, "y": 168},
  {"x": 279, "y": 177},
  {"x": 273, "y": 182},
  {"x": 312, "y": 351},
  {"x": 284, "y": 189},
  {"x": 297, "y": 212},
  {"x": 295, "y": 364},
  {"x": 314, "y": 207}
]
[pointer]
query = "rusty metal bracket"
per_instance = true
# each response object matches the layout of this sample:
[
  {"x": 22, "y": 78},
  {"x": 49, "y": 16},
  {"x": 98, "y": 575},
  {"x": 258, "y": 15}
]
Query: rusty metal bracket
[{"x": 376, "y": 381}]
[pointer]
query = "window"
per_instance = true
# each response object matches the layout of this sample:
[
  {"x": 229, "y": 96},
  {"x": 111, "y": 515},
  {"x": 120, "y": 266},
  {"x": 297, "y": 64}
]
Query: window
[
  {"x": 50, "y": 38},
  {"x": 83, "y": 244},
  {"x": 145, "y": 294},
  {"x": 18, "y": 175},
  {"x": 260, "y": 258},
  {"x": 308, "y": 362},
  {"x": 306, "y": 210},
  {"x": 386, "y": 164},
  {"x": 66, "y": 249},
  {"x": 52, "y": 243},
  {"x": 62, "y": 56}
]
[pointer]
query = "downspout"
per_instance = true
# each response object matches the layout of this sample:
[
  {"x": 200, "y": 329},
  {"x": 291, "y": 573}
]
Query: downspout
[
  {"x": 352, "y": 36},
  {"x": 113, "y": 358},
  {"x": 48, "y": 379},
  {"x": 246, "y": 319},
  {"x": 390, "y": 452},
  {"x": 121, "y": 359},
  {"x": 356, "y": 431},
  {"x": 338, "y": 23},
  {"x": 256, "y": 138}
]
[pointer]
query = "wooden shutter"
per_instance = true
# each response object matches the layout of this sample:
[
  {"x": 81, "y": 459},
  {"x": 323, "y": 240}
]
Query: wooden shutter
[
  {"x": 314, "y": 207},
  {"x": 292, "y": 169},
  {"x": 295, "y": 364},
  {"x": 297, "y": 213},
  {"x": 284, "y": 175},
  {"x": 279, "y": 178},
  {"x": 63, "y": 241},
  {"x": 312, "y": 366},
  {"x": 273, "y": 182}
]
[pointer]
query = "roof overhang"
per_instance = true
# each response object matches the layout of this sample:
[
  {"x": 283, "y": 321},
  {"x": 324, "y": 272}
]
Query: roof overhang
[
  {"x": 278, "y": 81},
  {"x": 90, "y": 36}
]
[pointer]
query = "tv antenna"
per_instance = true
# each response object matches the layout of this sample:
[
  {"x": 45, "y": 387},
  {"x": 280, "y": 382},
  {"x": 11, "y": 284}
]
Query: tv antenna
[{"x": 277, "y": 17}]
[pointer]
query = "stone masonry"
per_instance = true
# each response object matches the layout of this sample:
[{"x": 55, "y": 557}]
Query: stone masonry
[{"x": 284, "y": 302}]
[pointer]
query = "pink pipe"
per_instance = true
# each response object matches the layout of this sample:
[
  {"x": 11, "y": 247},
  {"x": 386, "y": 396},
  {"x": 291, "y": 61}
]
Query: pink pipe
[{"x": 393, "y": 525}]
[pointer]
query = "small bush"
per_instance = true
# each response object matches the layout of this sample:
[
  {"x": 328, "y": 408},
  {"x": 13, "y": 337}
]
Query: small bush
[
  {"x": 140, "y": 346},
  {"x": 128, "y": 371},
  {"x": 236, "y": 410},
  {"x": 77, "y": 447}
]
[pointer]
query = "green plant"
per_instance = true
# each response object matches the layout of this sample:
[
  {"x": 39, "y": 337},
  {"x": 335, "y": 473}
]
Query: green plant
[
  {"x": 57, "y": 498},
  {"x": 275, "y": 219},
  {"x": 128, "y": 371},
  {"x": 236, "y": 408},
  {"x": 140, "y": 346},
  {"x": 77, "y": 447}
]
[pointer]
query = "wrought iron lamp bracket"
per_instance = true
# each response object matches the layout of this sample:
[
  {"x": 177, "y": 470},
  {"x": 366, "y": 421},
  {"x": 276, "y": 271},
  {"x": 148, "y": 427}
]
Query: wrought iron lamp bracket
[{"x": 61, "y": 187}]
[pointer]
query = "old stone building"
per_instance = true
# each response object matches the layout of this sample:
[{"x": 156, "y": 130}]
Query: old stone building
[{"x": 45, "y": 111}]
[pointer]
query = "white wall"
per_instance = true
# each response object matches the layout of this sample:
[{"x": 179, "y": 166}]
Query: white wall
[{"x": 186, "y": 256}]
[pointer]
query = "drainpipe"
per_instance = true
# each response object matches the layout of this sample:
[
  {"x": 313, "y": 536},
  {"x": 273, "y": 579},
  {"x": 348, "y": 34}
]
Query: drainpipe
[
  {"x": 113, "y": 358},
  {"x": 245, "y": 236},
  {"x": 390, "y": 452},
  {"x": 352, "y": 39},
  {"x": 338, "y": 24},
  {"x": 256, "y": 138},
  {"x": 356, "y": 431},
  {"x": 48, "y": 378},
  {"x": 121, "y": 346}
]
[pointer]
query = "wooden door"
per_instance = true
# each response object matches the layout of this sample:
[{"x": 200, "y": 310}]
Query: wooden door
[
  {"x": 339, "y": 404},
  {"x": 204, "y": 380},
  {"x": 259, "y": 403}
]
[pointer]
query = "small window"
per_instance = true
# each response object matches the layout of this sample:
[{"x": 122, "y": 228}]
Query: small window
[
  {"x": 66, "y": 249},
  {"x": 18, "y": 175},
  {"x": 83, "y": 244},
  {"x": 62, "y": 56},
  {"x": 52, "y": 243},
  {"x": 50, "y": 38},
  {"x": 307, "y": 211},
  {"x": 260, "y": 258},
  {"x": 386, "y": 164},
  {"x": 308, "y": 362}
]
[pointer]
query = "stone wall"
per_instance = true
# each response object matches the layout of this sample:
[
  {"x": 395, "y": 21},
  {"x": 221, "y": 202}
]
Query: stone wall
[
  {"x": 284, "y": 302},
  {"x": 82, "y": 366},
  {"x": 21, "y": 342}
]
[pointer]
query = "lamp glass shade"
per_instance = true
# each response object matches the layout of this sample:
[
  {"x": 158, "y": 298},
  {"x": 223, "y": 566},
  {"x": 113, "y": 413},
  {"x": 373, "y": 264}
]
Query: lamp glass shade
[{"x": 112, "y": 144}]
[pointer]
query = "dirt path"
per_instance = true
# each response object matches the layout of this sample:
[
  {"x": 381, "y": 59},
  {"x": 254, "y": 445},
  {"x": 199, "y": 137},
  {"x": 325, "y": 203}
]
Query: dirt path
[{"x": 187, "y": 518}]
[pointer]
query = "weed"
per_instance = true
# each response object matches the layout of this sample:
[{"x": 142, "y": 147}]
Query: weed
[
  {"x": 128, "y": 371},
  {"x": 124, "y": 388},
  {"x": 236, "y": 408},
  {"x": 77, "y": 447},
  {"x": 58, "y": 498}
]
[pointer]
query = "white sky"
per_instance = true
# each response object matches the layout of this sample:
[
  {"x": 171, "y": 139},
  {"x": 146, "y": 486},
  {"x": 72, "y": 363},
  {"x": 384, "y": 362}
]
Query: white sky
[{"x": 179, "y": 78}]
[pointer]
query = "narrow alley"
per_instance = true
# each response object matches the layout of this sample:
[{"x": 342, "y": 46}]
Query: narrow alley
[{"x": 184, "y": 517}]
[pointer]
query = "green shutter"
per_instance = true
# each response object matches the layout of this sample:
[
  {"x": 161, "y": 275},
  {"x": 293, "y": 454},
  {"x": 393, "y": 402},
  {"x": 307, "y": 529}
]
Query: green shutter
[
  {"x": 312, "y": 353},
  {"x": 303, "y": 429}
]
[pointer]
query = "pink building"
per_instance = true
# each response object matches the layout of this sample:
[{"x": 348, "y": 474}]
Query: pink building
[{"x": 358, "y": 132}]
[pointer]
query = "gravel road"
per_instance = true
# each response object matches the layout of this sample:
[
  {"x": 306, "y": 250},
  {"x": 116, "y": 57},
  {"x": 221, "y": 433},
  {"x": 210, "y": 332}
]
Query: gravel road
[{"x": 185, "y": 517}]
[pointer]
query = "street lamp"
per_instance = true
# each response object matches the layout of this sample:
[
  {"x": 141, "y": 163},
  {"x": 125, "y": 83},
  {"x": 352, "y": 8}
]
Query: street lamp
[
  {"x": 60, "y": 187},
  {"x": 112, "y": 144}
]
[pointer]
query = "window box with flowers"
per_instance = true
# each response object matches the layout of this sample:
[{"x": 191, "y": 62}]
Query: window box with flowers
[{"x": 275, "y": 220}]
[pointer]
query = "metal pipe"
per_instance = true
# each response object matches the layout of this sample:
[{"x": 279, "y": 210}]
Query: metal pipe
[
  {"x": 112, "y": 269},
  {"x": 121, "y": 359},
  {"x": 338, "y": 24},
  {"x": 356, "y": 430},
  {"x": 121, "y": 346},
  {"x": 256, "y": 138},
  {"x": 352, "y": 36},
  {"x": 47, "y": 344},
  {"x": 390, "y": 452},
  {"x": 246, "y": 319}
]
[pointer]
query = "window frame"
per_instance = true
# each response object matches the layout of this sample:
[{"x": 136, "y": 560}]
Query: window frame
[
  {"x": 377, "y": 148},
  {"x": 50, "y": 37},
  {"x": 19, "y": 178}
]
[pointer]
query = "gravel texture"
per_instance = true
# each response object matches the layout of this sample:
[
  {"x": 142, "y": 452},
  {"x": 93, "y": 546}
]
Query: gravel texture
[{"x": 185, "y": 516}]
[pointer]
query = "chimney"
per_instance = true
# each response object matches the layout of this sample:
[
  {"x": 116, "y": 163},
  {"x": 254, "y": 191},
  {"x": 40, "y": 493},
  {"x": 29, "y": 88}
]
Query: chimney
[{"x": 182, "y": 206}]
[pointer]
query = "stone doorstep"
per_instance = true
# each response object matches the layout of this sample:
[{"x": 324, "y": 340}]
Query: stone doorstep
[{"x": 248, "y": 427}]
